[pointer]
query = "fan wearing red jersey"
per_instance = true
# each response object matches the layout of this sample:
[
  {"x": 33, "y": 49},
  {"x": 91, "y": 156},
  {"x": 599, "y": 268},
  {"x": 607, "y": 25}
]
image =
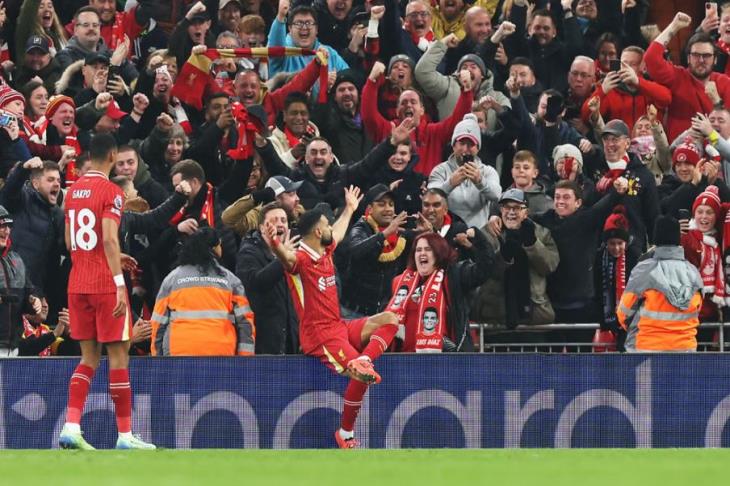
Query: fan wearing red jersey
[
  {"x": 97, "y": 296},
  {"x": 346, "y": 347}
]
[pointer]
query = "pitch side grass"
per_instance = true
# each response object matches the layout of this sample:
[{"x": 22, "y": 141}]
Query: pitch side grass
[{"x": 423, "y": 467}]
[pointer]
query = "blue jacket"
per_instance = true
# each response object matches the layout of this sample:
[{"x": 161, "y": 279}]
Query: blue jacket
[{"x": 294, "y": 64}]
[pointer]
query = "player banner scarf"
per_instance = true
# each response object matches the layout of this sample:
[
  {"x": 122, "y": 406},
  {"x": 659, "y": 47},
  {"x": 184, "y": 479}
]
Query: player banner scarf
[
  {"x": 429, "y": 334},
  {"x": 190, "y": 83}
]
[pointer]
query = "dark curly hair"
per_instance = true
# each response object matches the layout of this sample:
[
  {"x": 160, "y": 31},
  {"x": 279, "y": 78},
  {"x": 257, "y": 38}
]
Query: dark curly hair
[{"x": 197, "y": 250}]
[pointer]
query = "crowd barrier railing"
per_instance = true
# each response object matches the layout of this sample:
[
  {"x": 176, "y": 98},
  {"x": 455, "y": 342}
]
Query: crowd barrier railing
[{"x": 484, "y": 329}]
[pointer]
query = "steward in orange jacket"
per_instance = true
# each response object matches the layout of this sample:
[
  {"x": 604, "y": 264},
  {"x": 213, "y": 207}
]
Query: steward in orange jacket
[
  {"x": 662, "y": 300},
  {"x": 202, "y": 309}
]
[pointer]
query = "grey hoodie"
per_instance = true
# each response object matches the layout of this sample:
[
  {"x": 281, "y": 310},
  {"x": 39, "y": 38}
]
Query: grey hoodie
[{"x": 446, "y": 89}]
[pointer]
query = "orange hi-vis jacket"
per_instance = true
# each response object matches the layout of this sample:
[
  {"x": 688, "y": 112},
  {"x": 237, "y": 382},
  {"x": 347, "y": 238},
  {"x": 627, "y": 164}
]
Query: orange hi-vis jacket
[
  {"x": 202, "y": 315},
  {"x": 661, "y": 303}
]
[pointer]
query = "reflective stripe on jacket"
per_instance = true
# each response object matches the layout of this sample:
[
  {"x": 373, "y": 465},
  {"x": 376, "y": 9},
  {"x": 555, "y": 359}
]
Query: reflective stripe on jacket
[
  {"x": 202, "y": 315},
  {"x": 661, "y": 303}
]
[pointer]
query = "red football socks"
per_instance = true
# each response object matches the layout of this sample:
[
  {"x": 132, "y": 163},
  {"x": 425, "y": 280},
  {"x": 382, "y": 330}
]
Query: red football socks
[
  {"x": 353, "y": 401},
  {"x": 380, "y": 340},
  {"x": 78, "y": 390},
  {"x": 121, "y": 393}
]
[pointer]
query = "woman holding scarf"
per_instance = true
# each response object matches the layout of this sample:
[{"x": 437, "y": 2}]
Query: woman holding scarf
[
  {"x": 703, "y": 245},
  {"x": 431, "y": 298}
]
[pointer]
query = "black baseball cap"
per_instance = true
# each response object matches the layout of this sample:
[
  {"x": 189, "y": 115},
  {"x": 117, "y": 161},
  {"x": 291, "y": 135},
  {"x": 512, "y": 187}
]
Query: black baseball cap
[
  {"x": 38, "y": 42},
  {"x": 96, "y": 58},
  {"x": 378, "y": 192}
]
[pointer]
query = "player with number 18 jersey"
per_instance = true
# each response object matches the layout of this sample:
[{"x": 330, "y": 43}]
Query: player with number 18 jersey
[{"x": 92, "y": 198}]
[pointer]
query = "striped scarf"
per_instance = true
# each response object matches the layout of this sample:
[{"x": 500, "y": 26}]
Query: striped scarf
[{"x": 190, "y": 83}]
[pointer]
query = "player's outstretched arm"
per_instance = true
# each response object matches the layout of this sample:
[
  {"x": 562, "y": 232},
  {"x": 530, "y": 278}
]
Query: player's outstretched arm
[
  {"x": 352, "y": 200},
  {"x": 110, "y": 237}
]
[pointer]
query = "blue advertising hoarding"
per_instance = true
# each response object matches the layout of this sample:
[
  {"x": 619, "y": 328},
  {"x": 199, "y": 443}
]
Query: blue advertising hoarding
[{"x": 510, "y": 400}]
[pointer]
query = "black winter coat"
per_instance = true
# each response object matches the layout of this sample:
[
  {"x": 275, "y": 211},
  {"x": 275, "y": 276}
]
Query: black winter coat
[
  {"x": 332, "y": 189},
  {"x": 37, "y": 226},
  {"x": 263, "y": 277},
  {"x": 15, "y": 288},
  {"x": 367, "y": 281},
  {"x": 577, "y": 237},
  {"x": 349, "y": 141}
]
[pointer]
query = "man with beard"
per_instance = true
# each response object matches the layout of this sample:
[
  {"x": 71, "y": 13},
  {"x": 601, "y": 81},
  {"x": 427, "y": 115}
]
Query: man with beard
[
  {"x": 263, "y": 277},
  {"x": 471, "y": 185},
  {"x": 244, "y": 215},
  {"x": 229, "y": 16},
  {"x": 38, "y": 228},
  {"x": 38, "y": 61},
  {"x": 115, "y": 25},
  {"x": 451, "y": 16},
  {"x": 377, "y": 247},
  {"x": 696, "y": 88},
  {"x": 446, "y": 89},
  {"x": 346, "y": 347},
  {"x": 339, "y": 121},
  {"x": 551, "y": 56},
  {"x": 477, "y": 30},
  {"x": 323, "y": 179}
]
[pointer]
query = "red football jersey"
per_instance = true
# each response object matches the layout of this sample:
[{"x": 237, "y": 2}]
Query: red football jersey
[
  {"x": 92, "y": 198},
  {"x": 320, "y": 315}
]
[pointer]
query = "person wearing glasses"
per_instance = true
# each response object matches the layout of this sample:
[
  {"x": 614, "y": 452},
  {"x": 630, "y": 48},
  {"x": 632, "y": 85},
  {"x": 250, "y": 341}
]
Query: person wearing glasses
[
  {"x": 87, "y": 40},
  {"x": 303, "y": 30},
  {"x": 516, "y": 292},
  {"x": 695, "y": 88}
]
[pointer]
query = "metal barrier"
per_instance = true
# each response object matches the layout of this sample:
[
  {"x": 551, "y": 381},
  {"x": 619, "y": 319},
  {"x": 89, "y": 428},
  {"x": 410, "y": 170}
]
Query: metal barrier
[{"x": 485, "y": 328}]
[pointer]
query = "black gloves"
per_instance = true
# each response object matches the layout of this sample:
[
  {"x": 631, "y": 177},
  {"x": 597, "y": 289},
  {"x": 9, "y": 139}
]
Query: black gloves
[
  {"x": 263, "y": 196},
  {"x": 527, "y": 233}
]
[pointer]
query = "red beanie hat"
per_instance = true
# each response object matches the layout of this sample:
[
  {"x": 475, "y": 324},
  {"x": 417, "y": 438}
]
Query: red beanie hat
[
  {"x": 616, "y": 225},
  {"x": 8, "y": 94},
  {"x": 686, "y": 152},
  {"x": 709, "y": 197},
  {"x": 55, "y": 103}
]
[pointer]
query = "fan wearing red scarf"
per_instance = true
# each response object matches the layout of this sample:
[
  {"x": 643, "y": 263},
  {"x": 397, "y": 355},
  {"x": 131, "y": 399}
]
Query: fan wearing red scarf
[
  {"x": 431, "y": 298},
  {"x": 346, "y": 347},
  {"x": 703, "y": 244}
]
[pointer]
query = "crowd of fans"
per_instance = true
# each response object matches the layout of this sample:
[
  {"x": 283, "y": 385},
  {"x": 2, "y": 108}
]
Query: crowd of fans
[{"x": 535, "y": 142}]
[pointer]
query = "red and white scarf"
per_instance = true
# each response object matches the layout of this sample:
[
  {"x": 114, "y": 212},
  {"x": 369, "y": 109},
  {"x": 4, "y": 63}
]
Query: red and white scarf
[
  {"x": 711, "y": 268},
  {"x": 615, "y": 170},
  {"x": 207, "y": 213},
  {"x": 71, "y": 174},
  {"x": 423, "y": 43},
  {"x": 429, "y": 339},
  {"x": 29, "y": 330},
  {"x": 446, "y": 226},
  {"x": 725, "y": 47}
]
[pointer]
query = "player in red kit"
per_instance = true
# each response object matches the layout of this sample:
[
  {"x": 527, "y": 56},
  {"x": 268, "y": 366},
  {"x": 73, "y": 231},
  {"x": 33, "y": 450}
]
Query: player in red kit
[
  {"x": 346, "y": 347},
  {"x": 97, "y": 296}
]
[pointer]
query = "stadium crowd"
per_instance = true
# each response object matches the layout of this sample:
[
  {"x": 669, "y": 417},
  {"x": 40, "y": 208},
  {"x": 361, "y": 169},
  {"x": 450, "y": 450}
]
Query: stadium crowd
[{"x": 535, "y": 143}]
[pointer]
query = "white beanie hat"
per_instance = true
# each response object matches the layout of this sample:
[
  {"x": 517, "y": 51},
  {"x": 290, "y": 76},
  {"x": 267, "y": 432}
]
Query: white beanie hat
[
  {"x": 568, "y": 150},
  {"x": 468, "y": 128}
]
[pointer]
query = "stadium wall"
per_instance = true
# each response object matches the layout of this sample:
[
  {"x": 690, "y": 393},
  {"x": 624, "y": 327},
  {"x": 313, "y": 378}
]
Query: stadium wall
[{"x": 511, "y": 400}]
